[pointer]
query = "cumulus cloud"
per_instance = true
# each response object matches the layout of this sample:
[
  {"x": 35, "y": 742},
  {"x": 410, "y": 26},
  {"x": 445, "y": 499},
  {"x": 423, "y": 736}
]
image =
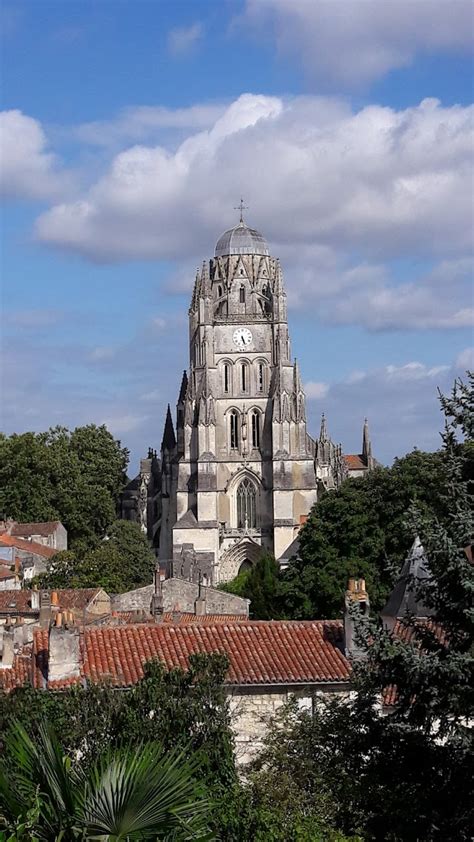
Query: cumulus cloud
[
  {"x": 465, "y": 360},
  {"x": 183, "y": 39},
  {"x": 354, "y": 42},
  {"x": 400, "y": 401},
  {"x": 28, "y": 170},
  {"x": 315, "y": 390}
]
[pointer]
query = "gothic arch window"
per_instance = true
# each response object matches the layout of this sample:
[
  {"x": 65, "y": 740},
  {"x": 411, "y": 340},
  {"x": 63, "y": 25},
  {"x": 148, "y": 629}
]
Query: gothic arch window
[
  {"x": 226, "y": 374},
  {"x": 244, "y": 377},
  {"x": 219, "y": 290},
  {"x": 242, "y": 292},
  {"x": 255, "y": 425},
  {"x": 234, "y": 430},
  {"x": 261, "y": 376},
  {"x": 246, "y": 505}
]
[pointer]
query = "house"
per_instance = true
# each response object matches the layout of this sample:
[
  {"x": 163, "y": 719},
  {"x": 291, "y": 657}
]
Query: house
[
  {"x": 404, "y": 601},
  {"x": 33, "y": 557},
  {"x": 49, "y": 533},
  {"x": 269, "y": 662}
]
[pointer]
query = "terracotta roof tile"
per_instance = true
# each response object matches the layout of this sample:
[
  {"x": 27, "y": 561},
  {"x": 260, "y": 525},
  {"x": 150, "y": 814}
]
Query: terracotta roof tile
[
  {"x": 179, "y": 618},
  {"x": 355, "y": 462},
  {"x": 20, "y": 673},
  {"x": 68, "y": 598},
  {"x": 260, "y": 652},
  {"x": 44, "y": 528},
  {"x": 29, "y": 546}
]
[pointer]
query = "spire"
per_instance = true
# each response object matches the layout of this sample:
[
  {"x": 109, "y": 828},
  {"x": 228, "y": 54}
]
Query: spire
[
  {"x": 205, "y": 280},
  {"x": 184, "y": 388},
  {"x": 323, "y": 433},
  {"x": 169, "y": 439},
  {"x": 296, "y": 377},
  {"x": 366, "y": 443}
]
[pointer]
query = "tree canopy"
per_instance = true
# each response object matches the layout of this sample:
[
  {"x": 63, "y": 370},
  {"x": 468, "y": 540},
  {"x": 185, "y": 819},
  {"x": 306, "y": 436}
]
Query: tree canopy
[
  {"x": 121, "y": 562},
  {"x": 75, "y": 477}
]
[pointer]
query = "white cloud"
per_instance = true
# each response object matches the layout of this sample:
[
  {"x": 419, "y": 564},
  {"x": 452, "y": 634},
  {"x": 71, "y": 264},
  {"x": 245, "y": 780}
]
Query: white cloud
[
  {"x": 102, "y": 353},
  {"x": 354, "y": 42},
  {"x": 144, "y": 122},
  {"x": 120, "y": 424},
  {"x": 28, "y": 170},
  {"x": 465, "y": 360},
  {"x": 183, "y": 39},
  {"x": 315, "y": 390},
  {"x": 340, "y": 196}
]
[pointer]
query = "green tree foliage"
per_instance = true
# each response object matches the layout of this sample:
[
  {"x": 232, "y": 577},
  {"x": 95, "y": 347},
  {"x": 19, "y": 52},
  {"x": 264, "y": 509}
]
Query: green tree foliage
[
  {"x": 407, "y": 775},
  {"x": 74, "y": 477},
  {"x": 129, "y": 793},
  {"x": 360, "y": 530},
  {"x": 260, "y": 584},
  {"x": 121, "y": 562}
]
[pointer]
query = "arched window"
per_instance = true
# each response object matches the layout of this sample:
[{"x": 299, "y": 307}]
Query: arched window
[
  {"x": 242, "y": 294},
  {"x": 226, "y": 377},
  {"x": 219, "y": 290},
  {"x": 246, "y": 505},
  {"x": 261, "y": 377},
  {"x": 255, "y": 429},
  {"x": 234, "y": 430},
  {"x": 244, "y": 377}
]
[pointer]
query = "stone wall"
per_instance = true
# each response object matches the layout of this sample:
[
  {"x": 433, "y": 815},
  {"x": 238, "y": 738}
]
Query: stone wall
[
  {"x": 180, "y": 595},
  {"x": 252, "y": 708}
]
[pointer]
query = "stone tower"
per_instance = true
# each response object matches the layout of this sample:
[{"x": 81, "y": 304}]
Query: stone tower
[
  {"x": 238, "y": 472},
  {"x": 239, "y": 475}
]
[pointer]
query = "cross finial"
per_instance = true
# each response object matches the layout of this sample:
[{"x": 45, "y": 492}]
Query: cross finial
[{"x": 241, "y": 207}]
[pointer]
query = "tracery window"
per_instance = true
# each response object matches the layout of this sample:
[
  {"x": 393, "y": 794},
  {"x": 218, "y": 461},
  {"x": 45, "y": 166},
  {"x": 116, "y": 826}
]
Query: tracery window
[
  {"x": 234, "y": 430},
  {"x": 246, "y": 505},
  {"x": 260, "y": 377},
  {"x": 255, "y": 429}
]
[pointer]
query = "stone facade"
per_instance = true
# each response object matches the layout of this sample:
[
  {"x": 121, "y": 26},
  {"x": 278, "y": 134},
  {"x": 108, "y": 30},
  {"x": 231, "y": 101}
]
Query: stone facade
[
  {"x": 239, "y": 472},
  {"x": 181, "y": 595}
]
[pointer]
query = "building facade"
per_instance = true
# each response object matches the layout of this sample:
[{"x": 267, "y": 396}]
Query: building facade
[{"x": 238, "y": 472}]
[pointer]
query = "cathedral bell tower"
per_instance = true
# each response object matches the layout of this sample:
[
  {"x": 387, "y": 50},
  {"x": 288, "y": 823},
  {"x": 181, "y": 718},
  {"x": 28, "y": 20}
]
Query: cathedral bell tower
[{"x": 242, "y": 477}]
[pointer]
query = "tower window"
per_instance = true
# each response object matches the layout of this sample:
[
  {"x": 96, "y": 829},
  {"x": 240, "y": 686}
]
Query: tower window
[
  {"x": 255, "y": 429},
  {"x": 226, "y": 378},
  {"x": 244, "y": 374},
  {"x": 246, "y": 505},
  {"x": 234, "y": 430},
  {"x": 260, "y": 377},
  {"x": 242, "y": 294}
]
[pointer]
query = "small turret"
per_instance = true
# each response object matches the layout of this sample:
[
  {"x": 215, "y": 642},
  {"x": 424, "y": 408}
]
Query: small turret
[
  {"x": 367, "y": 446},
  {"x": 169, "y": 438}
]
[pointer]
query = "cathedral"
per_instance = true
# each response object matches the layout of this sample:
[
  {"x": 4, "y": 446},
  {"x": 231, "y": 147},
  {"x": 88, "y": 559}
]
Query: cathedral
[{"x": 238, "y": 471}]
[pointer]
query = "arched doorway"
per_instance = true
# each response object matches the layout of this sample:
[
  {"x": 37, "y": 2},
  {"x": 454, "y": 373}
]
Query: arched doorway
[{"x": 246, "y": 565}]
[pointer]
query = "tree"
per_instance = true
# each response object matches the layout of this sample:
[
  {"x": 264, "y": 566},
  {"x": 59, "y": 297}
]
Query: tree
[
  {"x": 121, "y": 562},
  {"x": 407, "y": 775},
  {"x": 58, "y": 475},
  {"x": 360, "y": 530},
  {"x": 259, "y": 584},
  {"x": 129, "y": 793}
]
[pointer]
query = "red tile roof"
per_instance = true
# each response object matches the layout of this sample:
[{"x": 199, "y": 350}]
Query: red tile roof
[
  {"x": 20, "y": 673},
  {"x": 6, "y": 573},
  {"x": 15, "y": 601},
  {"x": 45, "y": 528},
  {"x": 355, "y": 462},
  {"x": 28, "y": 546},
  {"x": 271, "y": 652},
  {"x": 178, "y": 618},
  {"x": 407, "y": 634}
]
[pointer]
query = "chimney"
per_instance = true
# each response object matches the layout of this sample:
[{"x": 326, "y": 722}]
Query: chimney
[
  {"x": 356, "y": 606},
  {"x": 8, "y": 648},
  {"x": 156, "y": 607},
  {"x": 54, "y": 599},
  {"x": 35, "y": 599},
  {"x": 200, "y": 603},
  {"x": 45, "y": 609},
  {"x": 64, "y": 652}
]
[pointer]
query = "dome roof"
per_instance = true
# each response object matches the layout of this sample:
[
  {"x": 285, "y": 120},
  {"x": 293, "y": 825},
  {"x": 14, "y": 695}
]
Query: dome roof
[{"x": 241, "y": 240}]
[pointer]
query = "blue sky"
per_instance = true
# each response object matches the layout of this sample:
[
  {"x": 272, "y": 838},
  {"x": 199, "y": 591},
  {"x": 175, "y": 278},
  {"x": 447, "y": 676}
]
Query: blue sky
[{"x": 130, "y": 130}]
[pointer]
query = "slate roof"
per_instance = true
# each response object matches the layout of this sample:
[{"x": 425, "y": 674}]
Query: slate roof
[
  {"x": 403, "y": 598},
  {"x": 27, "y": 546},
  {"x": 241, "y": 240},
  {"x": 260, "y": 652},
  {"x": 20, "y": 530}
]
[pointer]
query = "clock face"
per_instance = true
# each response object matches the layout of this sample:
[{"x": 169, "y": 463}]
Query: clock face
[{"x": 242, "y": 337}]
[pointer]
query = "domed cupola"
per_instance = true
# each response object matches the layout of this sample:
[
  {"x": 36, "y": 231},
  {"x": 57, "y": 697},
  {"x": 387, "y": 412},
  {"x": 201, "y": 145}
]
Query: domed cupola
[{"x": 241, "y": 240}]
